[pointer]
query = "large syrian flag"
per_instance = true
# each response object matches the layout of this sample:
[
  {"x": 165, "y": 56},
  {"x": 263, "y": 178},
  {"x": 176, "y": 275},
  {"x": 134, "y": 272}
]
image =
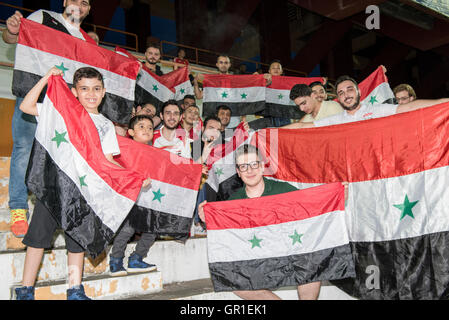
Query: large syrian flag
[
  {"x": 278, "y": 103},
  {"x": 244, "y": 94},
  {"x": 167, "y": 207},
  {"x": 222, "y": 179},
  {"x": 276, "y": 241},
  {"x": 397, "y": 217},
  {"x": 40, "y": 48},
  {"x": 375, "y": 89},
  {"x": 87, "y": 195}
]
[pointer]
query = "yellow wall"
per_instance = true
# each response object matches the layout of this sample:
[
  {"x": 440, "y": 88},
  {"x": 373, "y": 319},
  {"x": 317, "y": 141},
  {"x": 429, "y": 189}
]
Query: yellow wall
[{"x": 6, "y": 112}]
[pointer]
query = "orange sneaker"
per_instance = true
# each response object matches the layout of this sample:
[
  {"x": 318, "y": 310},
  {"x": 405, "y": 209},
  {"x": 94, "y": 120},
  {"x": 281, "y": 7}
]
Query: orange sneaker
[{"x": 19, "y": 223}]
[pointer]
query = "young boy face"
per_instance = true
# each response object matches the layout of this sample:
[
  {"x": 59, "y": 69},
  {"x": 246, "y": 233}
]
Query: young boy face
[
  {"x": 90, "y": 93},
  {"x": 142, "y": 131}
]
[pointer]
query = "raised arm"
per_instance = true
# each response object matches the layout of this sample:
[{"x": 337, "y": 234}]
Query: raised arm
[
  {"x": 11, "y": 33},
  {"x": 196, "y": 88},
  {"x": 29, "y": 103},
  {"x": 418, "y": 104}
]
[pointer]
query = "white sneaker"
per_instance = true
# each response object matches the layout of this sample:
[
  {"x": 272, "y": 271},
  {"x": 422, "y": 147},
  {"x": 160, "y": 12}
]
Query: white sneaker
[{"x": 199, "y": 230}]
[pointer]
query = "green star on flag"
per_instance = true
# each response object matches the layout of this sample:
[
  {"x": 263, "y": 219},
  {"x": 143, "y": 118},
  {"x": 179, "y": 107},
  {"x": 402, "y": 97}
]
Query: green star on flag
[
  {"x": 224, "y": 95},
  {"x": 406, "y": 207},
  {"x": 255, "y": 242},
  {"x": 83, "y": 181},
  {"x": 296, "y": 237},
  {"x": 373, "y": 99},
  {"x": 280, "y": 97},
  {"x": 158, "y": 195},
  {"x": 243, "y": 95},
  {"x": 62, "y": 68},
  {"x": 183, "y": 91},
  {"x": 155, "y": 88},
  {"x": 59, "y": 138},
  {"x": 219, "y": 171}
]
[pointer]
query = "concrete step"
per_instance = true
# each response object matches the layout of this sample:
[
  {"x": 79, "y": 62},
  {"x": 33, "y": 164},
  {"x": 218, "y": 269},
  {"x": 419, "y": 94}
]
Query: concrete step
[
  {"x": 4, "y": 181},
  {"x": 180, "y": 262},
  {"x": 103, "y": 287},
  {"x": 202, "y": 289}
]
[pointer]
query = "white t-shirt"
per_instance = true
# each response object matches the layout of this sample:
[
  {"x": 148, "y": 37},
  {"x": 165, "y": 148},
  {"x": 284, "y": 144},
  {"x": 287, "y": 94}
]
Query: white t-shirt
[
  {"x": 176, "y": 145},
  {"x": 105, "y": 129},
  {"x": 365, "y": 112},
  {"x": 37, "y": 16},
  {"x": 327, "y": 109}
]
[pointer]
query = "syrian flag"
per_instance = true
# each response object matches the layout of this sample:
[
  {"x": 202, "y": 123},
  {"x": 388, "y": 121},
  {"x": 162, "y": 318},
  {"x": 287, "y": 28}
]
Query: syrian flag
[
  {"x": 150, "y": 88},
  {"x": 179, "y": 81},
  {"x": 278, "y": 103},
  {"x": 87, "y": 195},
  {"x": 40, "y": 48},
  {"x": 244, "y": 94},
  {"x": 222, "y": 179},
  {"x": 167, "y": 207},
  {"x": 275, "y": 241},
  {"x": 397, "y": 216},
  {"x": 375, "y": 89}
]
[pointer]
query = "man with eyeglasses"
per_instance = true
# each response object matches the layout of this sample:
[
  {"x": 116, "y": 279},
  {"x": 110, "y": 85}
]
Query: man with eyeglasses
[
  {"x": 348, "y": 94},
  {"x": 167, "y": 137},
  {"x": 404, "y": 93},
  {"x": 250, "y": 168}
]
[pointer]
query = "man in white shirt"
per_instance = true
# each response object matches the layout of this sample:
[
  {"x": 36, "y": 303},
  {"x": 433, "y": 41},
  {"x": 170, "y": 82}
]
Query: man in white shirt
[
  {"x": 348, "y": 95},
  {"x": 23, "y": 125}
]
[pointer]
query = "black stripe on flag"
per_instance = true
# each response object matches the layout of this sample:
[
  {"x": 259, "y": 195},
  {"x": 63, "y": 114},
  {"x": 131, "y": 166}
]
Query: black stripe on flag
[
  {"x": 277, "y": 272},
  {"x": 65, "y": 202},
  {"x": 225, "y": 189},
  {"x": 161, "y": 223},
  {"x": 283, "y": 111},
  {"x": 404, "y": 269},
  {"x": 237, "y": 108}
]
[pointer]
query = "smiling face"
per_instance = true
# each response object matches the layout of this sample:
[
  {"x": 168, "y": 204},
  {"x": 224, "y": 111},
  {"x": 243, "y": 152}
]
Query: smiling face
[
  {"x": 142, "y": 131},
  {"x": 318, "y": 93},
  {"x": 251, "y": 177},
  {"x": 225, "y": 117},
  {"x": 171, "y": 116},
  {"x": 275, "y": 69},
  {"x": 90, "y": 93},
  {"x": 191, "y": 115},
  {"x": 75, "y": 11},
  {"x": 348, "y": 95}
]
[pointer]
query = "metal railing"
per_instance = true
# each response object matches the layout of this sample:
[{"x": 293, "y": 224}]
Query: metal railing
[{"x": 93, "y": 26}]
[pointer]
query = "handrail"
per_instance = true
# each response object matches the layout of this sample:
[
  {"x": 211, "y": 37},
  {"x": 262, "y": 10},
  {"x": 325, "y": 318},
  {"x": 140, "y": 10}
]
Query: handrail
[
  {"x": 88, "y": 24},
  {"x": 197, "y": 60}
]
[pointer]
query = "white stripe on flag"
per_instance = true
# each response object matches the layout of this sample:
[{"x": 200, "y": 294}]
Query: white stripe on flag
[
  {"x": 110, "y": 206},
  {"x": 150, "y": 84},
  {"x": 37, "y": 62},
  {"x": 316, "y": 233},
  {"x": 165, "y": 197},
  {"x": 381, "y": 93},
  {"x": 278, "y": 96},
  {"x": 186, "y": 86},
  {"x": 372, "y": 215},
  {"x": 234, "y": 95}
]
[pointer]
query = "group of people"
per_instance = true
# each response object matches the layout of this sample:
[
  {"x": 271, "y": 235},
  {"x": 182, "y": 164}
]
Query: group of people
[{"x": 175, "y": 127}]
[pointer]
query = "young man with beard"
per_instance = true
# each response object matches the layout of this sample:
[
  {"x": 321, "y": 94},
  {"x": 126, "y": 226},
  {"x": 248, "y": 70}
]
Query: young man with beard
[
  {"x": 167, "y": 137},
  {"x": 23, "y": 125},
  {"x": 152, "y": 57},
  {"x": 348, "y": 95}
]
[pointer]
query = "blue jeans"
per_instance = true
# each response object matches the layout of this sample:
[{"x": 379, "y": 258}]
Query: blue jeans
[
  {"x": 280, "y": 122},
  {"x": 23, "y": 130},
  {"x": 201, "y": 198}
]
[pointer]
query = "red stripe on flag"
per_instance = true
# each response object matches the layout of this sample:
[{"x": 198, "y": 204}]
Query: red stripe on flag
[
  {"x": 85, "y": 139},
  {"x": 271, "y": 210},
  {"x": 176, "y": 77},
  {"x": 233, "y": 81},
  {"x": 286, "y": 83},
  {"x": 374, "y": 80},
  {"x": 158, "y": 164},
  {"x": 43, "y": 38},
  {"x": 373, "y": 149}
]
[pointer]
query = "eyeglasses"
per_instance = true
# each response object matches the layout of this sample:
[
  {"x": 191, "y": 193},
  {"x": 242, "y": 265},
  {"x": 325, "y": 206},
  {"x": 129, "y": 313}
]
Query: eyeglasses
[{"x": 244, "y": 166}]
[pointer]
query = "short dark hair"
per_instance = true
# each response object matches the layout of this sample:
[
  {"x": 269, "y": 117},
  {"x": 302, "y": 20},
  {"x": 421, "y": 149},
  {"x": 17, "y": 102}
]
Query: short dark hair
[
  {"x": 188, "y": 96},
  {"x": 223, "y": 55},
  {"x": 340, "y": 79},
  {"x": 132, "y": 122},
  {"x": 154, "y": 45},
  {"x": 171, "y": 102},
  {"x": 89, "y": 73},
  {"x": 300, "y": 90},
  {"x": 209, "y": 118},
  {"x": 317, "y": 83},
  {"x": 222, "y": 107}
]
